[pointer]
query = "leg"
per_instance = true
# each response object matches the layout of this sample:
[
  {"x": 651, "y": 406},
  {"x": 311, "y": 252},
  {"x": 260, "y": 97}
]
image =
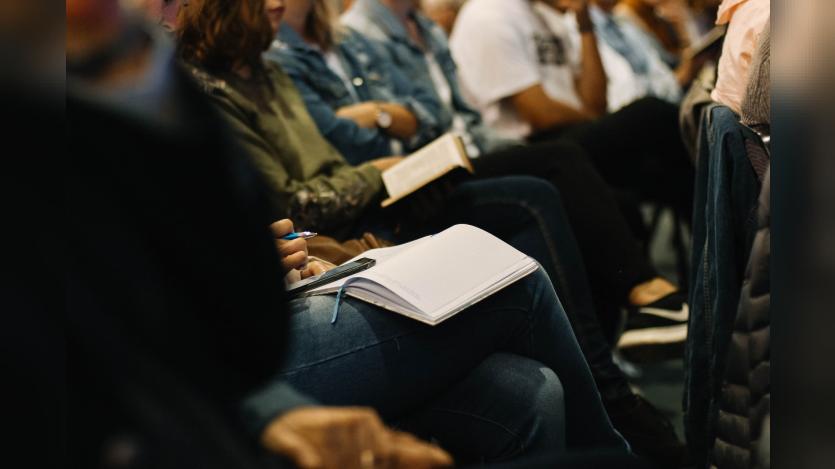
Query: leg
[
  {"x": 614, "y": 259},
  {"x": 639, "y": 148},
  {"x": 377, "y": 358},
  {"x": 509, "y": 405},
  {"x": 527, "y": 213}
]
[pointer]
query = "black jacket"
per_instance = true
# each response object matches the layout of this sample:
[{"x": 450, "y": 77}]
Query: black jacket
[
  {"x": 745, "y": 398},
  {"x": 175, "y": 300}
]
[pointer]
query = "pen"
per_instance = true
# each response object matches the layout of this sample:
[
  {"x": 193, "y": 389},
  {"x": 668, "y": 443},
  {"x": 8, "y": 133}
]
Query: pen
[{"x": 300, "y": 234}]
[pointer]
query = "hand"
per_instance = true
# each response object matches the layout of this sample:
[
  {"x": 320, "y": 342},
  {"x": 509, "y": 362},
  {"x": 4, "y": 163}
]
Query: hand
[
  {"x": 385, "y": 163},
  {"x": 293, "y": 253},
  {"x": 347, "y": 437},
  {"x": 316, "y": 267}
]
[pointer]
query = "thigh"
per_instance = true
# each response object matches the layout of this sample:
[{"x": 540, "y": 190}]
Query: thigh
[
  {"x": 508, "y": 405},
  {"x": 378, "y": 358}
]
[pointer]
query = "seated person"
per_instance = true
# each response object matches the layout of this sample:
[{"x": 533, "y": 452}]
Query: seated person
[
  {"x": 634, "y": 67},
  {"x": 671, "y": 23},
  {"x": 746, "y": 19},
  {"x": 311, "y": 179},
  {"x": 548, "y": 86},
  {"x": 436, "y": 380}
]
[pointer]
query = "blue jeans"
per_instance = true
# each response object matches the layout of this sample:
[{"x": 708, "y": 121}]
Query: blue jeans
[
  {"x": 448, "y": 382},
  {"x": 527, "y": 213}
]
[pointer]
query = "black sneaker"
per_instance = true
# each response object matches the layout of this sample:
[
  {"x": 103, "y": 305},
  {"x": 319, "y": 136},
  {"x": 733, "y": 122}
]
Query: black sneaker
[
  {"x": 648, "y": 431},
  {"x": 659, "y": 323}
]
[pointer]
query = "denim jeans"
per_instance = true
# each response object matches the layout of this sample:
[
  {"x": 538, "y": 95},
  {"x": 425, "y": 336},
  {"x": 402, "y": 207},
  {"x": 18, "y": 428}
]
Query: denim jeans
[
  {"x": 527, "y": 212},
  {"x": 446, "y": 382}
]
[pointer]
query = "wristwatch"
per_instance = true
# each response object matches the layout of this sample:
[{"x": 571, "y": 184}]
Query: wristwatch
[{"x": 383, "y": 118}]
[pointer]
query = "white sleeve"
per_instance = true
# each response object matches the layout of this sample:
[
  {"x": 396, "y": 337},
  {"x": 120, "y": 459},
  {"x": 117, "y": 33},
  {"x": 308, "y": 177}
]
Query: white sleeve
[{"x": 493, "y": 54}]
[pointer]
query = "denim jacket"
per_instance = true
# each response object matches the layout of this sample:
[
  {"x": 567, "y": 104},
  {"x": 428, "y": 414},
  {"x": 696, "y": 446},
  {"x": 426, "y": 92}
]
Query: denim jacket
[
  {"x": 373, "y": 79},
  {"x": 378, "y": 23}
]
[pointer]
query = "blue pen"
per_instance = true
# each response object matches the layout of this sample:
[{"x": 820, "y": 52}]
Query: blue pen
[{"x": 300, "y": 234}]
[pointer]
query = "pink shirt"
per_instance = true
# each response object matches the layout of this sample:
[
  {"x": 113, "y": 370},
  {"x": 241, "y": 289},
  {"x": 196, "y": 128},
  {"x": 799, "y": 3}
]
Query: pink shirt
[{"x": 746, "y": 19}]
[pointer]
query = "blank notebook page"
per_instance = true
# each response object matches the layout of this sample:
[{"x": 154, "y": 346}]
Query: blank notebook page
[{"x": 436, "y": 272}]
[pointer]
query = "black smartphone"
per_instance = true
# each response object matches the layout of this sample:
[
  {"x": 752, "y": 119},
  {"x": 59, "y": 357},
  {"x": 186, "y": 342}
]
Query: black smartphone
[{"x": 343, "y": 270}]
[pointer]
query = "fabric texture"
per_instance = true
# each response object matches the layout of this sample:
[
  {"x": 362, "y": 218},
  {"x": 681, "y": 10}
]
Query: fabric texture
[
  {"x": 746, "y": 19},
  {"x": 372, "y": 77},
  {"x": 309, "y": 181},
  {"x": 724, "y": 222},
  {"x": 744, "y": 402}
]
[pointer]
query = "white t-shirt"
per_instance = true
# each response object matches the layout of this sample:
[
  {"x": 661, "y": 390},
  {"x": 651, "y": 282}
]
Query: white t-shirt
[{"x": 503, "y": 47}]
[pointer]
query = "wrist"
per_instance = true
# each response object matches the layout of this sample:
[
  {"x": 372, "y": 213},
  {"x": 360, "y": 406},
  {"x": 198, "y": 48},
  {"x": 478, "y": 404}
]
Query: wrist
[{"x": 382, "y": 119}]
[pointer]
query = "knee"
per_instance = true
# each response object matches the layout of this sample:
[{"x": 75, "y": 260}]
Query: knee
[{"x": 536, "y": 393}]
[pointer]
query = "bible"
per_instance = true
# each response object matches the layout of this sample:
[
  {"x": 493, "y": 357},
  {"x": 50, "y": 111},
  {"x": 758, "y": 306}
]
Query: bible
[
  {"x": 434, "y": 160},
  {"x": 435, "y": 277}
]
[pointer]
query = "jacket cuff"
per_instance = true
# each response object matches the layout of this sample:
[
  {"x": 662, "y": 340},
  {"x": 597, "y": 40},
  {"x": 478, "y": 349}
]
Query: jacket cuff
[
  {"x": 263, "y": 406},
  {"x": 372, "y": 175}
]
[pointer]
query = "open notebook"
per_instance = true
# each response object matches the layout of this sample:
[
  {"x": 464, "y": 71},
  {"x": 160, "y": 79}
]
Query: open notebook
[{"x": 433, "y": 278}]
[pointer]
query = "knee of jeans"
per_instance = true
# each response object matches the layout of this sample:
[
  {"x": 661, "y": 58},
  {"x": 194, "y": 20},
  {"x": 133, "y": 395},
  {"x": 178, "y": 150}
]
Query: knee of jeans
[
  {"x": 536, "y": 192},
  {"x": 541, "y": 403}
]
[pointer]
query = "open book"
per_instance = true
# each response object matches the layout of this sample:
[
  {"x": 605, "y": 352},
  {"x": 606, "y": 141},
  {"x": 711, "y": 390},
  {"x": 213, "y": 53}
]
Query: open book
[
  {"x": 434, "y": 160},
  {"x": 433, "y": 278}
]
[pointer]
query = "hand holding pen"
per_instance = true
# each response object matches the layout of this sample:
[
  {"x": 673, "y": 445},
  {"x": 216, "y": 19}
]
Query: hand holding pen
[{"x": 292, "y": 245}]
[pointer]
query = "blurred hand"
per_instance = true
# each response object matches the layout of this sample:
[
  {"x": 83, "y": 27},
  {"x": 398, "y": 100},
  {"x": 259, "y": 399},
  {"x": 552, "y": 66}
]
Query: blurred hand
[
  {"x": 316, "y": 267},
  {"x": 293, "y": 253},
  {"x": 385, "y": 163},
  {"x": 347, "y": 438}
]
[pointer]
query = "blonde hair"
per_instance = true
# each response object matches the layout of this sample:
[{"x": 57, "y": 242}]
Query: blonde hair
[{"x": 322, "y": 25}]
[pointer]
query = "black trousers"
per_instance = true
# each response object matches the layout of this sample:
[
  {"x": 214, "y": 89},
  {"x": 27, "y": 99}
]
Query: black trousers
[
  {"x": 638, "y": 149},
  {"x": 615, "y": 260}
]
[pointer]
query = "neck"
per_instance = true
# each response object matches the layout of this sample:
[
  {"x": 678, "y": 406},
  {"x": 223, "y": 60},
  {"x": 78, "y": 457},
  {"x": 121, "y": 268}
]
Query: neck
[
  {"x": 400, "y": 8},
  {"x": 296, "y": 21}
]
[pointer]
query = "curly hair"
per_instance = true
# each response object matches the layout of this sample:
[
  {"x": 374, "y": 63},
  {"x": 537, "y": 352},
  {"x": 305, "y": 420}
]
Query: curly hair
[{"x": 223, "y": 34}]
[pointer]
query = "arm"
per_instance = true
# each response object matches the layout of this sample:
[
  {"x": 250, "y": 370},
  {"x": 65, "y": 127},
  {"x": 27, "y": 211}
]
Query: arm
[
  {"x": 535, "y": 107},
  {"x": 354, "y": 137},
  {"x": 591, "y": 83},
  {"x": 403, "y": 124},
  {"x": 391, "y": 85},
  {"x": 328, "y": 200}
]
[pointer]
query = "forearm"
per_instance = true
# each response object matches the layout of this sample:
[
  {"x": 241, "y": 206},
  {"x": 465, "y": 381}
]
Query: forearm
[
  {"x": 404, "y": 125},
  {"x": 591, "y": 85},
  {"x": 536, "y": 108}
]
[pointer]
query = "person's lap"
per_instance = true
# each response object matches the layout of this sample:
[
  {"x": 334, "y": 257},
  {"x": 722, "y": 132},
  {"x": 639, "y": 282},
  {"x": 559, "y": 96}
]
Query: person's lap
[{"x": 397, "y": 365}]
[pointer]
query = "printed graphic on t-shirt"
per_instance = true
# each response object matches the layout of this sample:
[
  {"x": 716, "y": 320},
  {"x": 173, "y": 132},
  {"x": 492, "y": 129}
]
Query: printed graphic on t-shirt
[{"x": 550, "y": 49}]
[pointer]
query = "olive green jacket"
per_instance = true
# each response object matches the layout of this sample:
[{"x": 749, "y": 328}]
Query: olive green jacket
[{"x": 308, "y": 179}]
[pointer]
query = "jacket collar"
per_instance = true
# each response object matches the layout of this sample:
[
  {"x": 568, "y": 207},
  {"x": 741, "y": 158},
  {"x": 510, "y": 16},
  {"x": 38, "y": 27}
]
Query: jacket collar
[
  {"x": 287, "y": 37},
  {"x": 383, "y": 17}
]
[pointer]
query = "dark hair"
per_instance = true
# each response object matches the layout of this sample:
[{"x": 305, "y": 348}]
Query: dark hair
[{"x": 222, "y": 34}]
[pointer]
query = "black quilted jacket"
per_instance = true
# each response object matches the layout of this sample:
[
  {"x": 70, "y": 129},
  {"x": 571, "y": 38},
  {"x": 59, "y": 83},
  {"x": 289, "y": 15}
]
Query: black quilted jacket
[{"x": 745, "y": 399}]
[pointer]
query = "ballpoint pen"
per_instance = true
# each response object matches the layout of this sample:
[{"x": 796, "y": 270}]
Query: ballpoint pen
[{"x": 300, "y": 234}]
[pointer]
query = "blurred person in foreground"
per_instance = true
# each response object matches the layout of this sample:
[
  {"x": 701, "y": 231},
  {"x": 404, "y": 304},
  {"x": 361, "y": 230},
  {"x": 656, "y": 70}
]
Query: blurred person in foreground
[{"x": 175, "y": 297}]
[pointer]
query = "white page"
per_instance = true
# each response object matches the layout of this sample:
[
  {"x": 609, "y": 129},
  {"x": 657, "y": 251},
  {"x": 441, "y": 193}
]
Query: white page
[
  {"x": 422, "y": 166},
  {"x": 455, "y": 262}
]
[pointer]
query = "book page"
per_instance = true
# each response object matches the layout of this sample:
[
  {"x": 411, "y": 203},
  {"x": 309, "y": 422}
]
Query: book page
[
  {"x": 447, "y": 268},
  {"x": 424, "y": 166}
]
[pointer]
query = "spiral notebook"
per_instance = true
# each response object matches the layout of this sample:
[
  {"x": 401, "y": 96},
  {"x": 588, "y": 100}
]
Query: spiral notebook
[{"x": 434, "y": 278}]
